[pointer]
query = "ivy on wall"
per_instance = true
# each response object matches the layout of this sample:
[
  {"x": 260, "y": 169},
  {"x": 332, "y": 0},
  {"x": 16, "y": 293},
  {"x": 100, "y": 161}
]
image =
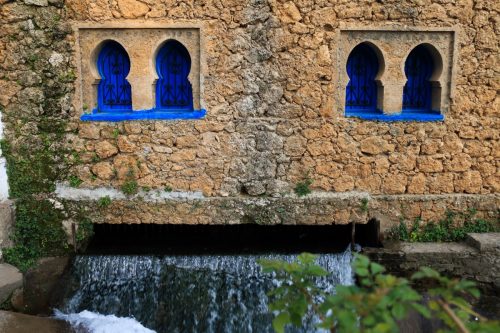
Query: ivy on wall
[{"x": 36, "y": 125}]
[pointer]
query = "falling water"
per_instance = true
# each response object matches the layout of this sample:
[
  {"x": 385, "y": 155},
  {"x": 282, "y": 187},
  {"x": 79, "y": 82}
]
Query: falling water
[{"x": 202, "y": 293}]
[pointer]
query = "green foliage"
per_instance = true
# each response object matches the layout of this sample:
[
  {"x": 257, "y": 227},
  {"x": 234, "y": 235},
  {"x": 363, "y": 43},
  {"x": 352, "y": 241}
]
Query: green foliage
[
  {"x": 37, "y": 233},
  {"x": 95, "y": 158},
  {"x": 30, "y": 169},
  {"x": 104, "y": 201},
  {"x": 302, "y": 188},
  {"x": 85, "y": 230},
  {"x": 130, "y": 187},
  {"x": 446, "y": 230},
  {"x": 116, "y": 132},
  {"x": 298, "y": 290},
  {"x": 364, "y": 205},
  {"x": 74, "y": 181},
  {"x": 374, "y": 304},
  {"x": 167, "y": 188}
]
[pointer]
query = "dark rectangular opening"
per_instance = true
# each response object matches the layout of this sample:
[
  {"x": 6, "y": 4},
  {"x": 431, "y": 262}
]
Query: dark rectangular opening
[{"x": 227, "y": 239}]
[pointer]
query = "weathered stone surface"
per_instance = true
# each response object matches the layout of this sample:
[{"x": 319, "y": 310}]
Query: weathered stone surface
[
  {"x": 132, "y": 8},
  {"x": 469, "y": 182},
  {"x": 10, "y": 279},
  {"x": 105, "y": 149},
  {"x": 126, "y": 167},
  {"x": 89, "y": 131},
  {"x": 395, "y": 184},
  {"x": 103, "y": 170},
  {"x": 13, "y": 322},
  {"x": 459, "y": 162},
  {"x": 429, "y": 164},
  {"x": 375, "y": 145},
  {"x": 6, "y": 223},
  {"x": 125, "y": 146},
  {"x": 291, "y": 13},
  {"x": 9, "y": 89},
  {"x": 40, "y": 3},
  {"x": 487, "y": 242},
  {"x": 273, "y": 84}
]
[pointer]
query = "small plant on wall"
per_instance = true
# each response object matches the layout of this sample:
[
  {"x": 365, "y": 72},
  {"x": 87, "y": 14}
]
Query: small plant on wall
[
  {"x": 74, "y": 181},
  {"x": 130, "y": 187},
  {"x": 104, "y": 202},
  {"x": 303, "y": 188}
]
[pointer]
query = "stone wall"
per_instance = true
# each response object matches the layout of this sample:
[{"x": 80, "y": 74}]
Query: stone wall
[
  {"x": 271, "y": 88},
  {"x": 477, "y": 260}
]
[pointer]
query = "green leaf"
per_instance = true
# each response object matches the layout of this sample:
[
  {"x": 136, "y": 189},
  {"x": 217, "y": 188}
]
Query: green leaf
[
  {"x": 280, "y": 321},
  {"x": 398, "y": 311},
  {"x": 422, "y": 310},
  {"x": 361, "y": 271},
  {"x": 376, "y": 268},
  {"x": 317, "y": 271},
  {"x": 426, "y": 272},
  {"x": 474, "y": 292},
  {"x": 382, "y": 327}
]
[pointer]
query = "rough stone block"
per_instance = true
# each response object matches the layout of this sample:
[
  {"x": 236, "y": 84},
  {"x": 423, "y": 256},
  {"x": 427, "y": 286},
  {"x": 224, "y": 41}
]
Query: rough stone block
[
  {"x": 40, "y": 284},
  {"x": 20, "y": 323},
  {"x": 10, "y": 279},
  {"x": 6, "y": 220}
]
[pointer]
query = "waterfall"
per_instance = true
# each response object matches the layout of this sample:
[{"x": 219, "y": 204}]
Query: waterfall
[{"x": 195, "y": 293}]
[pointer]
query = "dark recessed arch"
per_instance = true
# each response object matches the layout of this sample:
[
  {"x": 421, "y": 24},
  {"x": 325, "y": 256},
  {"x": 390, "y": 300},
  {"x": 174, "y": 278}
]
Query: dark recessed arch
[
  {"x": 173, "y": 89},
  {"x": 422, "y": 91},
  {"x": 113, "y": 65},
  {"x": 364, "y": 67}
]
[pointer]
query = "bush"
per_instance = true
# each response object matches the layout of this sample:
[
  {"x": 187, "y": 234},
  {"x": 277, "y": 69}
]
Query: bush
[
  {"x": 104, "y": 202},
  {"x": 374, "y": 304},
  {"x": 130, "y": 187},
  {"x": 303, "y": 188},
  {"x": 446, "y": 230}
]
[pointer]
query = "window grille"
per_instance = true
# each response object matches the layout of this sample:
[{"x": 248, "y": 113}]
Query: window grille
[
  {"x": 173, "y": 89},
  {"x": 417, "y": 90},
  {"x": 114, "y": 92},
  {"x": 362, "y": 68}
]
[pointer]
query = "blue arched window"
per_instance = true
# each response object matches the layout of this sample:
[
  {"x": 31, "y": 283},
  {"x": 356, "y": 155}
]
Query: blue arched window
[
  {"x": 362, "y": 68},
  {"x": 417, "y": 93},
  {"x": 173, "y": 89},
  {"x": 114, "y": 92}
]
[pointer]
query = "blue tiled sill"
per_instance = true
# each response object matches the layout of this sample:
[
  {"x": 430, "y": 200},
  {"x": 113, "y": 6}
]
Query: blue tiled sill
[
  {"x": 406, "y": 115},
  {"x": 144, "y": 115}
]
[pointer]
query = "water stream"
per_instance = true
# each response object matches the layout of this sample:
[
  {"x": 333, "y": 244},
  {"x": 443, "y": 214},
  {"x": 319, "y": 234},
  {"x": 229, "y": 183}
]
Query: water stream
[{"x": 177, "y": 293}]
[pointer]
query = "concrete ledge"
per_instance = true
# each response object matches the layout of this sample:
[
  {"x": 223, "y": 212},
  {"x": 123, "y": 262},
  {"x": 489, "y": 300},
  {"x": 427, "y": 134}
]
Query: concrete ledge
[
  {"x": 318, "y": 208},
  {"x": 484, "y": 242}
]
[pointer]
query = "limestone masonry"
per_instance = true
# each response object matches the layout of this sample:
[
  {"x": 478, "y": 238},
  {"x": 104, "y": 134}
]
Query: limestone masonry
[{"x": 271, "y": 75}]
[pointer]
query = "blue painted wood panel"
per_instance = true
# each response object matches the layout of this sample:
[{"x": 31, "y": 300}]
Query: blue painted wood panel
[
  {"x": 114, "y": 91},
  {"x": 173, "y": 89},
  {"x": 362, "y": 68},
  {"x": 417, "y": 90}
]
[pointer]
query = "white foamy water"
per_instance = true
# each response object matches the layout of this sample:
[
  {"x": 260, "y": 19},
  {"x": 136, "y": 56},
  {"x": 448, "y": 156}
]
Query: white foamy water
[{"x": 91, "y": 322}]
